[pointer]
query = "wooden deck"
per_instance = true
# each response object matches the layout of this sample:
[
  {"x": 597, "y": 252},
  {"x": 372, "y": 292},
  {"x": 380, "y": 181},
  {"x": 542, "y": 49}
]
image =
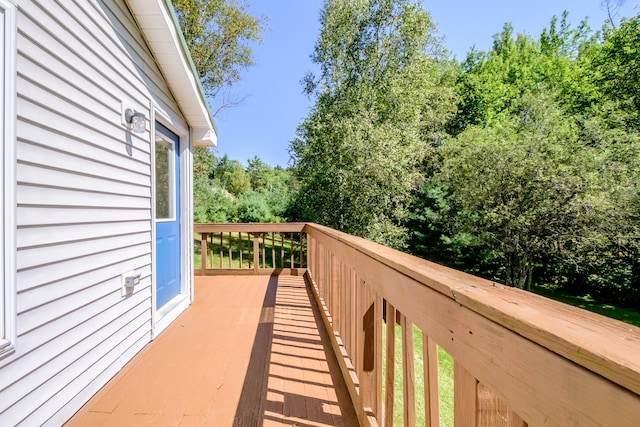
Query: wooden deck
[{"x": 250, "y": 351}]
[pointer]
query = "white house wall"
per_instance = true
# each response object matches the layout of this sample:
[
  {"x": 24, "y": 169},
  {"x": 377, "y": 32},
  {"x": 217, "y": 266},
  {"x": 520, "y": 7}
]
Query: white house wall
[{"x": 84, "y": 200}]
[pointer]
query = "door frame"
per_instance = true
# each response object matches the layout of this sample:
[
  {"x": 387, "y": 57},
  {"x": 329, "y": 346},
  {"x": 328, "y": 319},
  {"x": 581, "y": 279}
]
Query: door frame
[{"x": 161, "y": 318}]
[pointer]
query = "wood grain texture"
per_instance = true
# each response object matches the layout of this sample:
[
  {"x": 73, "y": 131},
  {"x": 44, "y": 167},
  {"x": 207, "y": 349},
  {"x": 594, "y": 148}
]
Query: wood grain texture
[
  {"x": 269, "y": 362},
  {"x": 548, "y": 362},
  {"x": 465, "y": 397},
  {"x": 431, "y": 390},
  {"x": 408, "y": 372},
  {"x": 390, "y": 366}
]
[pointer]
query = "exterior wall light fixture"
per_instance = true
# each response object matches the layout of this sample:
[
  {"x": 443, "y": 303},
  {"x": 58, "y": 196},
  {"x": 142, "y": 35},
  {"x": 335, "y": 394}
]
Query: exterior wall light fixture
[{"x": 136, "y": 119}]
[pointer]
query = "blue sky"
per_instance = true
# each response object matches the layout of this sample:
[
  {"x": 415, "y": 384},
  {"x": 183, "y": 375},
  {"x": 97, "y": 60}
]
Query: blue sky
[{"x": 274, "y": 104}]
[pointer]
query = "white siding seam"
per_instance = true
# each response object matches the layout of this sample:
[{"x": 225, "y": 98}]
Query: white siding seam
[
  {"x": 30, "y": 64},
  {"x": 97, "y": 63},
  {"x": 134, "y": 343},
  {"x": 40, "y": 297},
  {"x": 124, "y": 254},
  {"x": 70, "y": 224},
  {"x": 79, "y": 175},
  {"x": 35, "y": 258},
  {"x": 133, "y": 51},
  {"x": 137, "y": 310},
  {"x": 79, "y": 104},
  {"x": 72, "y": 233},
  {"x": 149, "y": 60},
  {"x": 84, "y": 366},
  {"x": 83, "y": 190},
  {"x": 33, "y": 152},
  {"x": 98, "y": 381},
  {"x": 99, "y": 131}
]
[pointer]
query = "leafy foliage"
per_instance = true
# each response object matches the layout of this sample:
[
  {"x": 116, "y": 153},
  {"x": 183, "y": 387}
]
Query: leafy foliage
[
  {"x": 519, "y": 164},
  {"x": 219, "y": 34},
  {"x": 382, "y": 99},
  {"x": 226, "y": 191},
  {"x": 524, "y": 186},
  {"x": 539, "y": 172}
]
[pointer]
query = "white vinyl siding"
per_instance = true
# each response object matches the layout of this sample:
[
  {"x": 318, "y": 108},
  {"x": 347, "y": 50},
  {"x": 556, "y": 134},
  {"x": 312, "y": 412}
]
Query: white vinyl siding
[
  {"x": 84, "y": 204},
  {"x": 7, "y": 178}
]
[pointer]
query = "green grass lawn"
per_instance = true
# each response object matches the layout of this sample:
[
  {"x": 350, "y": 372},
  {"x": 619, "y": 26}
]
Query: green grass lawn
[{"x": 445, "y": 380}]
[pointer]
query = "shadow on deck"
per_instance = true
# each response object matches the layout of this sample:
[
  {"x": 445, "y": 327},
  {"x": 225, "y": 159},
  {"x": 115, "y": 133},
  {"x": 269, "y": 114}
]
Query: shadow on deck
[{"x": 250, "y": 351}]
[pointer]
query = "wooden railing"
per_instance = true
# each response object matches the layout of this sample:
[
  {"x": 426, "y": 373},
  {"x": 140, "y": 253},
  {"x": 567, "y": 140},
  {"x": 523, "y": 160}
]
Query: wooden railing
[
  {"x": 519, "y": 359},
  {"x": 251, "y": 248}
]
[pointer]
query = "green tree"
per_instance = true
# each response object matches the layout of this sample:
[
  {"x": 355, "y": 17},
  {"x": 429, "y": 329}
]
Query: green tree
[
  {"x": 212, "y": 204},
  {"x": 203, "y": 164},
  {"x": 253, "y": 207},
  {"x": 219, "y": 34},
  {"x": 617, "y": 67},
  {"x": 541, "y": 170},
  {"x": 527, "y": 185},
  {"x": 518, "y": 65},
  {"x": 236, "y": 179},
  {"x": 382, "y": 97},
  {"x": 258, "y": 172}
]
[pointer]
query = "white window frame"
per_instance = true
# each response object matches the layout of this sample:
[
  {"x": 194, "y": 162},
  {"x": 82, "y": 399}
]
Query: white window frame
[{"x": 8, "y": 290}]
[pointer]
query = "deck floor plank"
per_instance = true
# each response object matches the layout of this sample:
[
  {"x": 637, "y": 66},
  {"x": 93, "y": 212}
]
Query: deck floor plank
[{"x": 250, "y": 351}]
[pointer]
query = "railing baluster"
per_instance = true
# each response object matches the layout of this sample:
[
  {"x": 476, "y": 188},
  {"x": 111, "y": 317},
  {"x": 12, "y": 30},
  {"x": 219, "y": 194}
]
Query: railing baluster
[
  {"x": 292, "y": 258},
  {"x": 249, "y": 258},
  {"x": 282, "y": 263},
  {"x": 230, "y": 250},
  {"x": 343, "y": 298},
  {"x": 224, "y": 240},
  {"x": 256, "y": 253},
  {"x": 240, "y": 247},
  {"x": 264, "y": 249},
  {"x": 431, "y": 392},
  {"x": 335, "y": 293},
  {"x": 353, "y": 284},
  {"x": 273, "y": 250},
  {"x": 377, "y": 372},
  {"x": 391, "y": 365},
  {"x": 221, "y": 248},
  {"x": 210, "y": 241},
  {"x": 408, "y": 372},
  {"x": 203, "y": 252}
]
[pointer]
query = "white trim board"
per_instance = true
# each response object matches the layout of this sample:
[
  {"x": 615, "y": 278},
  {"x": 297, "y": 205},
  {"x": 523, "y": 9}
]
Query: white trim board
[{"x": 8, "y": 329}]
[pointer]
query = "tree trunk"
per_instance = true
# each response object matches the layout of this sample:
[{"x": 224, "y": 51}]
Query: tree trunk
[{"x": 518, "y": 270}]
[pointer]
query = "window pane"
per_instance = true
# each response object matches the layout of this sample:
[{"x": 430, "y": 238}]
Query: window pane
[{"x": 164, "y": 179}]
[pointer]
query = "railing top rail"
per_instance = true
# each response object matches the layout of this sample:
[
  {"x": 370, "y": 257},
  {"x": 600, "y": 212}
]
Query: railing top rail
[
  {"x": 284, "y": 227},
  {"x": 606, "y": 346}
]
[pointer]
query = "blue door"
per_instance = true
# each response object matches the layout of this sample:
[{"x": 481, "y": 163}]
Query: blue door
[{"x": 167, "y": 178}]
